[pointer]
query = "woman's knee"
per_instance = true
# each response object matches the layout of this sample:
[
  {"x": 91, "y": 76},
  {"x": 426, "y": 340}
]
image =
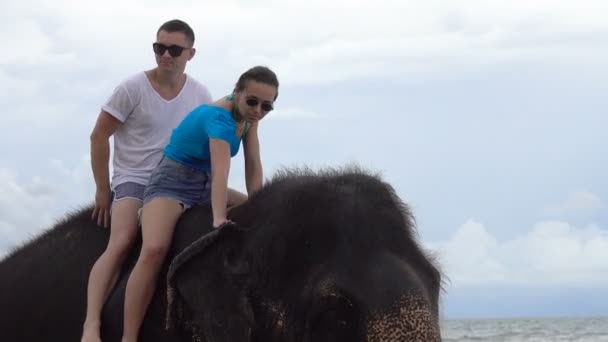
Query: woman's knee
[{"x": 153, "y": 253}]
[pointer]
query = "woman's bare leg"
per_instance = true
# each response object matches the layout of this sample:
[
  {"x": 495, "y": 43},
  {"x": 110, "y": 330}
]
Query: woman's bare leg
[
  {"x": 236, "y": 197},
  {"x": 159, "y": 217}
]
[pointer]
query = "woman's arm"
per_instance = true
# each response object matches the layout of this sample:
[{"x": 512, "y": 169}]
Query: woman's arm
[
  {"x": 254, "y": 174},
  {"x": 220, "y": 167}
]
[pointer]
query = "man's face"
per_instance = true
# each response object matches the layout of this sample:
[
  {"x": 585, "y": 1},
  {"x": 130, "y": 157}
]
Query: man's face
[{"x": 172, "y": 51}]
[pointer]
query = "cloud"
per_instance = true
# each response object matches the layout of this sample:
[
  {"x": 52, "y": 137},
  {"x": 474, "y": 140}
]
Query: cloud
[
  {"x": 29, "y": 206},
  {"x": 579, "y": 202},
  {"x": 68, "y": 56},
  {"x": 551, "y": 254},
  {"x": 310, "y": 42}
]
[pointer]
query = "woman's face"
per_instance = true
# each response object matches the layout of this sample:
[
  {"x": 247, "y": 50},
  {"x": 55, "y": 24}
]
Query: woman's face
[{"x": 256, "y": 100}]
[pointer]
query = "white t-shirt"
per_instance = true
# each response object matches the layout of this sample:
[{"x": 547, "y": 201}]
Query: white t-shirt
[{"x": 147, "y": 122}]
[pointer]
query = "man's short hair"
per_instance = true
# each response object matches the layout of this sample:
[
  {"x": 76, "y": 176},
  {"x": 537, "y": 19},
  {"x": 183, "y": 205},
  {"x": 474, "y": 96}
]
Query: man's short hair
[{"x": 177, "y": 25}]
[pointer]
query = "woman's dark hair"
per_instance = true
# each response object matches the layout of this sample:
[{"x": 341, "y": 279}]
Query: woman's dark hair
[
  {"x": 260, "y": 74},
  {"x": 177, "y": 25}
]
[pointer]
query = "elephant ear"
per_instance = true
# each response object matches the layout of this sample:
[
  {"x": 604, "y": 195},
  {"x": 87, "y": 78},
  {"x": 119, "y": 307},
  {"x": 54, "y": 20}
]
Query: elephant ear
[{"x": 207, "y": 280}]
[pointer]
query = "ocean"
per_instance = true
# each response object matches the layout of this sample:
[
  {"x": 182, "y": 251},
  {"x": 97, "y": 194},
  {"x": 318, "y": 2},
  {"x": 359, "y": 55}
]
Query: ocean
[{"x": 533, "y": 330}]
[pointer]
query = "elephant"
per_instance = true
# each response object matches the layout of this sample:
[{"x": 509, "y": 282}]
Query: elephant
[{"x": 315, "y": 255}]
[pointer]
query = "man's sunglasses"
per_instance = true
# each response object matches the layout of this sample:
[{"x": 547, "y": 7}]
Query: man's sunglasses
[
  {"x": 174, "y": 50},
  {"x": 253, "y": 102}
]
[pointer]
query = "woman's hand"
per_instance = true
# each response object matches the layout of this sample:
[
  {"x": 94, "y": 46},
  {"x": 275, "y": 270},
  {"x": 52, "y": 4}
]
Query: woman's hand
[{"x": 219, "y": 223}]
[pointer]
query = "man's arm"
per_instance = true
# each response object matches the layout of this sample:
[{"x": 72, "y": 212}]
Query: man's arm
[{"x": 105, "y": 126}]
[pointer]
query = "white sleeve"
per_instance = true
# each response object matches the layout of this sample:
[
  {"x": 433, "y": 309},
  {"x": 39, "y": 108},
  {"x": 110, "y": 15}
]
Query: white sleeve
[{"x": 119, "y": 104}]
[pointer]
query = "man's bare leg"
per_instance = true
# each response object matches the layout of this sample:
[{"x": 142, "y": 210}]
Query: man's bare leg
[{"x": 105, "y": 272}]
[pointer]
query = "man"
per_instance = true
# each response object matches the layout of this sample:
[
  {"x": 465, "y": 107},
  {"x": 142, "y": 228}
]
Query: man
[{"x": 140, "y": 116}]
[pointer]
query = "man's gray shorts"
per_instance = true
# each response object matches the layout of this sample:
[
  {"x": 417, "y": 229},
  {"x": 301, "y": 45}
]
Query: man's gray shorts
[{"x": 129, "y": 190}]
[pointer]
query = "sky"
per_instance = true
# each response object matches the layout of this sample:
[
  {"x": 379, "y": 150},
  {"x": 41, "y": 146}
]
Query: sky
[{"x": 488, "y": 118}]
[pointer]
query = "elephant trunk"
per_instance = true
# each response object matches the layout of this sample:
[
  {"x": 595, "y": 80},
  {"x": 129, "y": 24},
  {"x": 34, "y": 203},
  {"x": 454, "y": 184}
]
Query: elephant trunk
[{"x": 409, "y": 319}]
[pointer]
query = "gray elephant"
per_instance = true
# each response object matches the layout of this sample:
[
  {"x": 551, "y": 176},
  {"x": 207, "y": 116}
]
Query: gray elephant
[{"x": 314, "y": 256}]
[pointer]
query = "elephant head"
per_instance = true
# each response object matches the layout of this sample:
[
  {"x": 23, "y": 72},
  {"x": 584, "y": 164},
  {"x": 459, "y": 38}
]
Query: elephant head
[{"x": 329, "y": 257}]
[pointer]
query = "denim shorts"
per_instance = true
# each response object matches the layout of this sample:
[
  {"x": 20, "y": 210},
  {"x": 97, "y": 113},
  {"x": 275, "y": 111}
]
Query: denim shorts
[
  {"x": 130, "y": 190},
  {"x": 184, "y": 184}
]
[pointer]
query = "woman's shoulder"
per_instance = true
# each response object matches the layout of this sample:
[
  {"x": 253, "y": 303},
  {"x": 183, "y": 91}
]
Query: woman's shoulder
[
  {"x": 212, "y": 117},
  {"x": 208, "y": 112},
  {"x": 211, "y": 110}
]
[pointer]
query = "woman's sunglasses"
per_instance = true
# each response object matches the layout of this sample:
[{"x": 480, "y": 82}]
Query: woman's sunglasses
[
  {"x": 174, "y": 50},
  {"x": 253, "y": 102}
]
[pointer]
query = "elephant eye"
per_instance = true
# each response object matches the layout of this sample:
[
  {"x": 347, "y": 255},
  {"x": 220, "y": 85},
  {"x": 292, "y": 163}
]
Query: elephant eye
[{"x": 335, "y": 324}]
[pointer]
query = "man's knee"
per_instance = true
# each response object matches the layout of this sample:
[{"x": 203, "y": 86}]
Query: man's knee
[{"x": 121, "y": 244}]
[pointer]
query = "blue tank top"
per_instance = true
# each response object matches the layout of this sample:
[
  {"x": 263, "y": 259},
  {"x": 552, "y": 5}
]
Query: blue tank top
[{"x": 189, "y": 142}]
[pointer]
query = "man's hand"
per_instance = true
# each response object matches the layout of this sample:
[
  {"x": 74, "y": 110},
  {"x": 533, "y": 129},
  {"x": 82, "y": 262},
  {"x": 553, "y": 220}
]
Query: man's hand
[{"x": 101, "y": 212}]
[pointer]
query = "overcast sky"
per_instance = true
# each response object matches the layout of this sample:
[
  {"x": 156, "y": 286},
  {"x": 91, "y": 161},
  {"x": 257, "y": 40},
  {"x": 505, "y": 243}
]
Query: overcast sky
[{"x": 488, "y": 117}]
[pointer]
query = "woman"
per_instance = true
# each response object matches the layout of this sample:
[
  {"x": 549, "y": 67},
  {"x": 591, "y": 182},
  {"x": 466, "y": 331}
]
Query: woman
[{"x": 198, "y": 153}]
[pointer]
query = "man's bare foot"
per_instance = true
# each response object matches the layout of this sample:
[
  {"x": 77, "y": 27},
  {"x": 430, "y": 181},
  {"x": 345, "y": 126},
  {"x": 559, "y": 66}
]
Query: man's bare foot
[{"x": 90, "y": 333}]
